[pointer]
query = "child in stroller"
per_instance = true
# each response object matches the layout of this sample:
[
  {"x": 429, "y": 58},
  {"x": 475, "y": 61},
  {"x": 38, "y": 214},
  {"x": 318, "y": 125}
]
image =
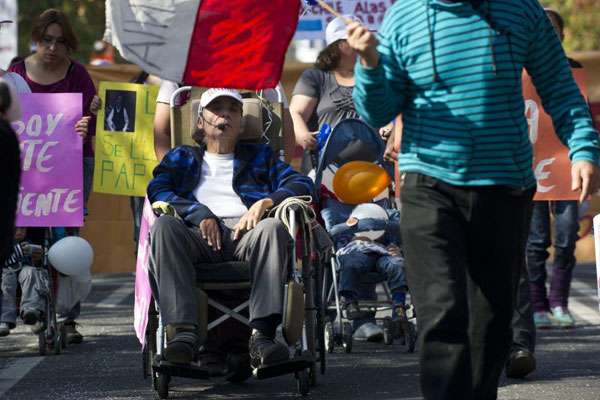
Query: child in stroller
[
  {"x": 20, "y": 270},
  {"x": 366, "y": 241}
]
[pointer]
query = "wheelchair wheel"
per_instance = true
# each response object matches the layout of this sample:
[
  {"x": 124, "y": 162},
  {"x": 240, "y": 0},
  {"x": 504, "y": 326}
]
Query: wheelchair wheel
[
  {"x": 329, "y": 337},
  {"x": 312, "y": 375},
  {"x": 163, "y": 386},
  {"x": 42, "y": 345},
  {"x": 63, "y": 336},
  {"x": 240, "y": 365},
  {"x": 388, "y": 331},
  {"x": 347, "y": 337},
  {"x": 302, "y": 383}
]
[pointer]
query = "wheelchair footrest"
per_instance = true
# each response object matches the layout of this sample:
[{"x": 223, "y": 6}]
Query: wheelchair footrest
[
  {"x": 287, "y": 367},
  {"x": 185, "y": 370}
]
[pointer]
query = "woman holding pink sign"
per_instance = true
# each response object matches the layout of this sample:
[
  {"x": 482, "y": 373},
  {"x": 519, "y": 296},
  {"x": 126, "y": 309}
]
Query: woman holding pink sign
[{"x": 51, "y": 70}]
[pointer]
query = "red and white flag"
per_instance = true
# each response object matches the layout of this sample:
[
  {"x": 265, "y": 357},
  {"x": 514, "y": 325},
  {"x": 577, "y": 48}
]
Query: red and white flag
[{"x": 209, "y": 43}]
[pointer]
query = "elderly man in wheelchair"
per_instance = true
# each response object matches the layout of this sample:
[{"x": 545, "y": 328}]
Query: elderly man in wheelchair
[{"x": 220, "y": 192}]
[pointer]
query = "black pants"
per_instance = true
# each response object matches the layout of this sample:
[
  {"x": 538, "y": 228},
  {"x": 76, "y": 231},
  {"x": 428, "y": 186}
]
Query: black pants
[
  {"x": 463, "y": 248},
  {"x": 524, "y": 335}
]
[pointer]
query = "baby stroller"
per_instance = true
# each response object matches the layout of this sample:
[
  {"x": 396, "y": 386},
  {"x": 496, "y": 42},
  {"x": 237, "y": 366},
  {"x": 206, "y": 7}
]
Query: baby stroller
[{"x": 354, "y": 140}]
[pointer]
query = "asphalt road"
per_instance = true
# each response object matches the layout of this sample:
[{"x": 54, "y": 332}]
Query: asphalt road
[{"x": 108, "y": 364}]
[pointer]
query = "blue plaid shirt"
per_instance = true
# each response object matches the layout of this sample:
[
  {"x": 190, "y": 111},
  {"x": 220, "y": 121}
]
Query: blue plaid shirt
[{"x": 257, "y": 174}]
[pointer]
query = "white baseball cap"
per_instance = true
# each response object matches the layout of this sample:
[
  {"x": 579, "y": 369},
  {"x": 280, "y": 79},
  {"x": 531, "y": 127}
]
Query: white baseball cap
[
  {"x": 211, "y": 94},
  {"x": 336, "y": 29}
]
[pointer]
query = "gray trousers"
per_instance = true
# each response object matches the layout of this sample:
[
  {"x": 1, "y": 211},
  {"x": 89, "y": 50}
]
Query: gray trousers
[
  {"x": 34, "y": 291},
  {"x": 176, "y": 248}
]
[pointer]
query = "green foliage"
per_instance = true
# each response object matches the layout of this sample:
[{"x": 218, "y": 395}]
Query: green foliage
[
  {"x": 582, "y": 23},
  {"x": 86, "y": 17}
]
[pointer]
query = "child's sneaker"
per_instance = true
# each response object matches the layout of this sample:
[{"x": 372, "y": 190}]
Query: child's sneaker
[
  {"x": 562, "y": 317},
  {"x": 4, "y": 329},
  {"x": 542, "y": 320}
]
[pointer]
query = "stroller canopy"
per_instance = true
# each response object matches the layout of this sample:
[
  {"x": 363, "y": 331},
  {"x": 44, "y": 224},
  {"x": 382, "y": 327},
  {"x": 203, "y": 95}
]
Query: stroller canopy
[{"x": 350, "y": 140}]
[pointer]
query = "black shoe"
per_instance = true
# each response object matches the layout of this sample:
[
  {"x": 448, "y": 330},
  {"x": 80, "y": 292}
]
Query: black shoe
[
  {"x": 264, "y": 350},
  {"x": 30, "y": 317},
  {"x": 351, "y": 311},
  {"x": 73, "y": 336},
  {"x": 182, "y": 348},
  {"x": 520, "y": 364}
]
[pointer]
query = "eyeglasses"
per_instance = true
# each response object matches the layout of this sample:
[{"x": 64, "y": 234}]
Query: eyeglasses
[{"x": 49, "y": 41}]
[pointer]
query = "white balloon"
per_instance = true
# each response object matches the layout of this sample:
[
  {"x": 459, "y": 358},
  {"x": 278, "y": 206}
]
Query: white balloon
[{"x": 73, "y": 256}]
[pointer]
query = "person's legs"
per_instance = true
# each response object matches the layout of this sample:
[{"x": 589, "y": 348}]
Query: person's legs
[
  {"x": 521, "y": 361},
  {"x": 434, "y": 234},
  {"x": 175, "y": 248},
  {"x": 9, "y": 298},
  {"x": 567, "y": 226},
  {"x": 268, "y": 249},
  {"x": 392, "y": 268},
  {"x": 537, "y": 254},
  {"x": 495, "y": 259},
  {"x": 352, "y": 266},
  {"x": 34, "y": 292}
]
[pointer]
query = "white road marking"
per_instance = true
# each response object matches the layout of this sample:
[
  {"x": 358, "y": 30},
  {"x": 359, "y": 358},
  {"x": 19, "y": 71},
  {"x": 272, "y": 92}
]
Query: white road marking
[
  {"x": 15, "y": 371},
  {"x": 582, "y": 311},
  {"x": 116, "y": 298}
]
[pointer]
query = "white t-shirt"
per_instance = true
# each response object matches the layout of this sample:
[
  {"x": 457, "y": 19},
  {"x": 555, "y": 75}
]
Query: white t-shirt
[
  {"x": 167, "y": 88},
  {"x": 215, "y": 189}
]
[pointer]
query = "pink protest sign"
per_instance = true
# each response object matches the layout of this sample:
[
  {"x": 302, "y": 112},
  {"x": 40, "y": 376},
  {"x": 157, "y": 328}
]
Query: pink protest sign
[
  {"x": 51, "y": 160},
  {"x": 143, "y": 292}
]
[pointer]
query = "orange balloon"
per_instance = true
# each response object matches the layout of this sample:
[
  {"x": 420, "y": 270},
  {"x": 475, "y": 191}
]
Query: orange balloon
[{"x": 359, "y": 182}]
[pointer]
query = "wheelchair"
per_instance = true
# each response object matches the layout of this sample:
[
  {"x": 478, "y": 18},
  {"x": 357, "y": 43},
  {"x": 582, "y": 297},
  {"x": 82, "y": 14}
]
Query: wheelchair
[
  {"x": 53, "y": 339},
  {"x": 222, "y": 289}
]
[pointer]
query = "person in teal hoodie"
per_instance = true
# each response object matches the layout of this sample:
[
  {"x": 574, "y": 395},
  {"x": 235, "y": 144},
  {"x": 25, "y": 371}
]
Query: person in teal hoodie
[{"x": 453, "y": 70}]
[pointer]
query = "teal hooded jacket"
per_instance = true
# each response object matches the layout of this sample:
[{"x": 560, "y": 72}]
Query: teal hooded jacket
[{"x": 453, "y": 70}]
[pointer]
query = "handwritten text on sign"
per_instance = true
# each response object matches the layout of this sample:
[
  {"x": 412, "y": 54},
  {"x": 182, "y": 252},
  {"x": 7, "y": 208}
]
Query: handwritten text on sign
[
  {"x": 314, "y": 19},
  {"x": 125, "y": 155},
  {"x": 51, "y": 160}
]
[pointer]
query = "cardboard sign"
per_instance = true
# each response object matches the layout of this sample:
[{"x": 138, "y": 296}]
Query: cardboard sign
[
  {"x": 51, "y": 192},
  {"x": 125, "y": 154},
  {"x": 314, "y": 19},
  {"x": 551, "y": 163}
]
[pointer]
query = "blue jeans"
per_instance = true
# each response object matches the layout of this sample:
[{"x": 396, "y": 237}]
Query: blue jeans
[
  {"x": 354, "y": 265},
  {"x": 566, "y": 215}
]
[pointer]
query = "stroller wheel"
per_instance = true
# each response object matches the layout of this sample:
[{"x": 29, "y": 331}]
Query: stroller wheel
[
  {"x": 410, "y": 337},
  {"x": 163, "y": 386},
  {"x": 329, "y": 338},
  {"x": 347, "y": 337},
  {"x": 302, "y": 383}
]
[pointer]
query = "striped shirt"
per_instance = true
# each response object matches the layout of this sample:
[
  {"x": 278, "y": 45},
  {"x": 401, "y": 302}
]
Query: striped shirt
[
  {"x": 16, "y": 257},
  {"x": 454, "y": 73}
]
